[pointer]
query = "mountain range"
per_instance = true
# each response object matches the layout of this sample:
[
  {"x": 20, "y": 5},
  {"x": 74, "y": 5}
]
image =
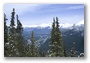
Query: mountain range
[{"x": 74, "y": 33}]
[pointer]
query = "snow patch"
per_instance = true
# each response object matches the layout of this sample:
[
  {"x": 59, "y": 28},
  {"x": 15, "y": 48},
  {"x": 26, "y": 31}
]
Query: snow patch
[{"x": 66, "y": 25}]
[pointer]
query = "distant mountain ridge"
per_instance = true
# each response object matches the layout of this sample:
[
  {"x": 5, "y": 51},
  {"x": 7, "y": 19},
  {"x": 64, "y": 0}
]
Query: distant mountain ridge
[
  {"x": 74, "y": 33},
  {"x": 49, "y": 25}
]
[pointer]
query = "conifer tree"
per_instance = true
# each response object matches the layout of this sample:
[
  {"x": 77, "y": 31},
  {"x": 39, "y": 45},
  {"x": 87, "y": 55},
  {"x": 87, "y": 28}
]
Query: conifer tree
[
  {"x": 59, "y": 47},
  {"x": 33, "y": 48},
  {"x": 28, "y": 50},
  {"x": 19, "y": 26},
  {"x": 20, "y": 41},
  {"x": 52, "y": 37},
  {"x": 12, "y": 37},
  {"x": 56, "y": 48},
  {"x": 5, "y": 36},
  {"x": 64, "y": 49},
  {"x": 12, "y": 19},
  {"x": 73, "y": 50}
]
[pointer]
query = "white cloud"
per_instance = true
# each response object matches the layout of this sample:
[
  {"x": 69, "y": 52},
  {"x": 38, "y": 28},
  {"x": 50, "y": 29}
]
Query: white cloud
[
  {"x": 80, "y": 22},
  {"x": 41, "y": 25},
  {"x": 76, "y": 7},
  {"x": 66, "y": 25},
  {"x": 30, "y": 25},
  {"x": 44, "y": 25},
  {"x": 20, "y": 8},
  {"x": 63, "y": 25}
]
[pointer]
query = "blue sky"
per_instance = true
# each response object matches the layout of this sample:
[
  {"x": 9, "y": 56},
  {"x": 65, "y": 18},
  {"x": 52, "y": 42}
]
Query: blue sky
[{"x": 42, "y": 14}]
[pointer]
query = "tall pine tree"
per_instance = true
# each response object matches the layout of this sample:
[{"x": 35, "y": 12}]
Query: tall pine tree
[
  {"x": 33, "y": 49},
  {"x": 12, "y": 50},
  {"x": 19, "y": 26},
  {"x": 5, "y": 36},
  {"x": 19, "y": 39},
  {"x": 59, "y": 47},
  {"x": 56, "y": 48},
  {"x": 52, "y": 45},
  {"x": 64, "y": 50},
  {"x": 73, "y": 50}
]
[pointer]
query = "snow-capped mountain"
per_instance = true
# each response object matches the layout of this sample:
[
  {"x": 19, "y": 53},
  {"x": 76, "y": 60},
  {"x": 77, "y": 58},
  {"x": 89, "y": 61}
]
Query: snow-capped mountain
[
  {"x": 49, "y": 25},
  {"x": 47, "y": 29}
]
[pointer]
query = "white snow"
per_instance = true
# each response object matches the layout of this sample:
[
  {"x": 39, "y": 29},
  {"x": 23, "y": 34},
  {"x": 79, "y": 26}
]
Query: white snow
[
  {"x": 63, "y": 25},
  {"x": 80, "y": 23}
]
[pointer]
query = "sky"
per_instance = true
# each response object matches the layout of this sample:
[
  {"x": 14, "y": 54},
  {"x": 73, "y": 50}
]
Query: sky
[{"x": 43, "y": 14}]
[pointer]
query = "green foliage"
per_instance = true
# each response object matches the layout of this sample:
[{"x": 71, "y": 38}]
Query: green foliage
[
  {"x": 15, "y": 46},
  {"x": 12, "y": 18},
  {"x": 33, "y": 53},
  {"x": 5, "y": 36},
  {"x": 19, "y": 26},
  {"x": 12, "y": 34},
  {"x": 52, "y": 37},
  {"x": 73, "y": 50},
  {"x": 65, "y": 51},
  {"x": 32, "y": 50},
  {"x": 5, "y": 29},
  {"x": 56, "y": 40},
  {"x": 19, "y": 38}
]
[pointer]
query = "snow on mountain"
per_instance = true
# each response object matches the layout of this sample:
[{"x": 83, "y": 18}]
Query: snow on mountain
[
  {"x": 49, "y": 25},
  {"x": 38, "y": 26},
  {"x": 80, "y": 23},
  {"x": 66, "y": 25}
]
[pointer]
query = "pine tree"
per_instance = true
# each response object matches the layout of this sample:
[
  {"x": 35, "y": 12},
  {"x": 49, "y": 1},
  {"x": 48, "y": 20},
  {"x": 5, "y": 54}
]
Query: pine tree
[
  {"x": 12, "y": 19},
  {"x": 52, "y": 38},
  {"x": 73, "y": 50},
  {"x": 20, "y": 40},
  {"x": 19, "y": 26},
  {"x": 56, "y": 48},
  {"x": 5, "y": 36},
  {"x": 33, "y": 49},
  {"x": 28, "y": 50},
  {"x": 12, "y": 50},
  {"x": 59, "y": 47},
  {"x": 64, "y": 49}
]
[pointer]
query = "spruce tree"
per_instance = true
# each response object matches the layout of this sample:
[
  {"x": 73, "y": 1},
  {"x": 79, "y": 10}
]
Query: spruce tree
[
  {"x": 64, "y": 50},
  {"x": 19, "y": 38},
  {"x": 12, "y": 19},
  {"x": 19, "y": 26},
  {"x": 12, "y": 50},
  {"x": 5, "y": 36},
  {"x": 73, "y": 50},
  {"x": 33, "y": 48},
  {"x": 52, "y": 38},
  {"x": 56, "y": 48},
  {"x": 59, "y": 47},
  {"x": 28, "y": 50}
]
